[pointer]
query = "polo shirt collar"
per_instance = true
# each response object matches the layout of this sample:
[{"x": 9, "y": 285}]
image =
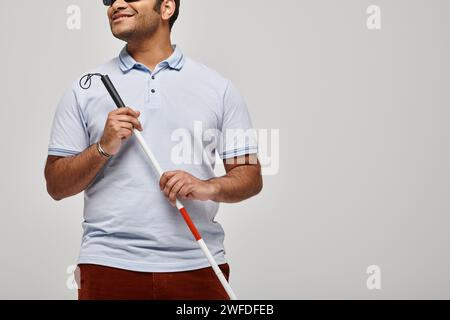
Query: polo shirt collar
[{"x": 175, "y": 61}]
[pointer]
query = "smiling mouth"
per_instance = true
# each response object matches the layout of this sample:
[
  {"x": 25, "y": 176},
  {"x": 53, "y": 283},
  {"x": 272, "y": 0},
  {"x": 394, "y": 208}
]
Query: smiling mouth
[{"x": 122, "y": 18}]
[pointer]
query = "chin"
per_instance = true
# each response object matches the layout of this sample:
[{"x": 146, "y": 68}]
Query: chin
[{"x": 123, "y": 34}]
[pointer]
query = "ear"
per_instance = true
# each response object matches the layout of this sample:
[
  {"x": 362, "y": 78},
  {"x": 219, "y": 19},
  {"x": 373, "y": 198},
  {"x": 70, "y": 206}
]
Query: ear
[{"x": 168, "y": 9}]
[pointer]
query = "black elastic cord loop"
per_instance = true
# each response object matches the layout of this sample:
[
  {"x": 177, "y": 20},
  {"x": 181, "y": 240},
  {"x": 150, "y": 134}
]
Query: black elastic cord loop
[{"x": 88, "y": 81}]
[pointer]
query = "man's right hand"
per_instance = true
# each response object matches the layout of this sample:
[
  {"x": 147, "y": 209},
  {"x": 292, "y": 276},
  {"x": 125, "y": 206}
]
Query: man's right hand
[{"x": 119, "y": 126}]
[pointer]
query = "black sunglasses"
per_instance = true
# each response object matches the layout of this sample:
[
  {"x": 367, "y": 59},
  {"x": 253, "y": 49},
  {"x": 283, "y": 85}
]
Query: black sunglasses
[{"x": 110, "y": 2}]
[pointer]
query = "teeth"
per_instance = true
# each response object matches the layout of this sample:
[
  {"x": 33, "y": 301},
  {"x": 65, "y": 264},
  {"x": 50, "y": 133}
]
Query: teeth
[{"x": 122, "y": 17}]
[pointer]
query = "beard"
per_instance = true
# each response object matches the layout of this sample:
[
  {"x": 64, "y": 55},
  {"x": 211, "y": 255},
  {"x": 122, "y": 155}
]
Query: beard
[{"x": 137, "y": 29}]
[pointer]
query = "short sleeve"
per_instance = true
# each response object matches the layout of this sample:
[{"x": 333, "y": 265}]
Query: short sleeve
[
  {"x": 69, "y": 135},
  {"x": 238, "y": 137}
]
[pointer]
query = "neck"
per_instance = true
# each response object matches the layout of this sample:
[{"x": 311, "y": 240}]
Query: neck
[{"x": 151, "y": 50}]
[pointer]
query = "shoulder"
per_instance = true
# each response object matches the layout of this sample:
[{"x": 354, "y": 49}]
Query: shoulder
[
  {"x": 205, "y": 74},
  {"x": 111, "y": 66}
]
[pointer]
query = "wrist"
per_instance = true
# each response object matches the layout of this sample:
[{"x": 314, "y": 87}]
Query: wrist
[
  {"x": 215, "y": 189},
  {"x": 101, "y": 151}
]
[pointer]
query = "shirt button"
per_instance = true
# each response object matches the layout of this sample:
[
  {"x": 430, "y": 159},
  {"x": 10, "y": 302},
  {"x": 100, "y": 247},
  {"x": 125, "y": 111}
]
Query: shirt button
[{"x": 153, "y": 90}]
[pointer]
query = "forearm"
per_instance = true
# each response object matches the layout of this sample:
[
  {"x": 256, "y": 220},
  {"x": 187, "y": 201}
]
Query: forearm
[
  {"x": 238, "y": 184},
  {"x": 69, "y": 176}
]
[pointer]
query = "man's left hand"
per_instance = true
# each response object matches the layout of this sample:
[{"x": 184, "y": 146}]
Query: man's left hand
[{"x": 183, "y": 185}]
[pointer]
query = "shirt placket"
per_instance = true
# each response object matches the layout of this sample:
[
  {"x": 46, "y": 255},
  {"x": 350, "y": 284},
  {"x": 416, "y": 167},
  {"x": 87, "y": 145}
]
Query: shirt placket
[{"x": 154, "y": 87}]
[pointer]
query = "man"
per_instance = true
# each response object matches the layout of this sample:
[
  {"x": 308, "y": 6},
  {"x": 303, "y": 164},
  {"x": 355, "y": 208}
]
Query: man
[{"x": 135, "y": 243}]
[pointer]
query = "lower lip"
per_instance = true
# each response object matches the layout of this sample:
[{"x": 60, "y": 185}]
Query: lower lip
[{"x": 121, "y": 19}]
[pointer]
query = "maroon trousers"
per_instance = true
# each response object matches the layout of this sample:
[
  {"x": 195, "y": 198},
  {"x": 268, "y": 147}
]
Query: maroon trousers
[{"x": 106, "y": 283}]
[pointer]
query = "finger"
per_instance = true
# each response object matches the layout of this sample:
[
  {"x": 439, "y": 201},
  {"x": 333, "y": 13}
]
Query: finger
[
  {"x": 165, "y": 177},
  {"x": 129, "y": 119},
  {"x": 185, "y": 191},
  {"x": 125, "y": 133},
  {"x": 126, "y": 111},
  {"x": 169, "y": 185},
  {"x": 174, "y": 191},
  {"x": 123, "y": 125},
  {"x": 171, "y": 173}
]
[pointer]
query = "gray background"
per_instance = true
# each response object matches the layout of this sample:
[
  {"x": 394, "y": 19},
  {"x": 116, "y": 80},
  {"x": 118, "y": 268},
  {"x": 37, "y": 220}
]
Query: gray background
[{"x": 364, "y": 135}]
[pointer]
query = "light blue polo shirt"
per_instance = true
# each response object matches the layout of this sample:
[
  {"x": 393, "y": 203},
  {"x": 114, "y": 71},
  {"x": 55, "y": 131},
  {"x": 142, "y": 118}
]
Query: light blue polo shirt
[{"x": 186, "y": 109}]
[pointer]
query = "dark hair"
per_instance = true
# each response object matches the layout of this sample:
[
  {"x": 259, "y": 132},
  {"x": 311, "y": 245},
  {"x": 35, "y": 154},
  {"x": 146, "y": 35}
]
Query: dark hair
[{"x": 174, "y": 17}]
